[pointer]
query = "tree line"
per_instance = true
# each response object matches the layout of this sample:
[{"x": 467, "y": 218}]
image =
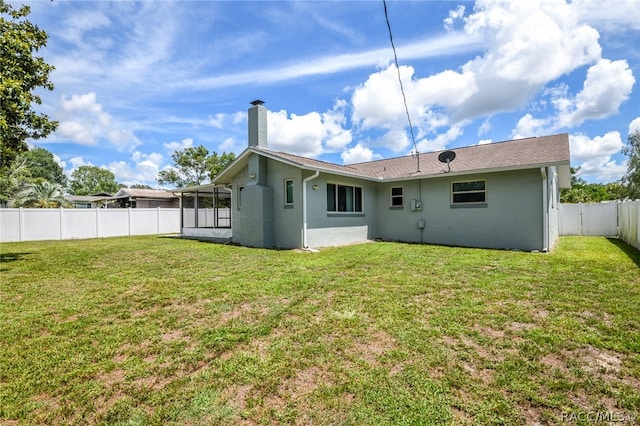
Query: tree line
[{"x": 32, "y": 177}]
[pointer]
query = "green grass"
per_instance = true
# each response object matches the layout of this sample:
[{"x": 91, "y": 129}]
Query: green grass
[{"x": 148, "y": 330}]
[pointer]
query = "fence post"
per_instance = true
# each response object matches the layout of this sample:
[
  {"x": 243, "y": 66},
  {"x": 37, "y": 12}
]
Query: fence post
[
  {"x": 61, "y": 223},
  {"x": 97, "y": 222},
  {"x": 20, "y": 224},
  {"x": 157, "y": 220},
  {"x": 129, "y": 219}
]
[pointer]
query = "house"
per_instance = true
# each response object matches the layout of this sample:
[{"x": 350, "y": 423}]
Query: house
[
  {"x": 500, "y": 195},
  {"x": 144, "y": 198},
  {"x": 92, "y": 201}
]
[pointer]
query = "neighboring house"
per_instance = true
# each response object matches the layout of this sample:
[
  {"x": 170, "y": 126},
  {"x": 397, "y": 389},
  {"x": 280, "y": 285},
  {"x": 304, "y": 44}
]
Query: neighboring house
[
  {"x": 89, "y": 201},
  {"x": 144, "y": 198},
  {"x": 500, "y": 195}
]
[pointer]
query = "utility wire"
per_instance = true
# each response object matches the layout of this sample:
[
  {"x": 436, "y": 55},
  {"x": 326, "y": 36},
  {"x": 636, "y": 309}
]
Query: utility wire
[{"x": 404, "y": 97}]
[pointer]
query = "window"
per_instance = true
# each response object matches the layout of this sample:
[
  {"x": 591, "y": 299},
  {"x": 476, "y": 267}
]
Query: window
[
  {"x": 288, "y": 192},
  {"x": 397, "y": 199},
  {"x": 343, "y": 198},
  {"x": 469, "y": 192},
  {"x": 240, "y": 188}
]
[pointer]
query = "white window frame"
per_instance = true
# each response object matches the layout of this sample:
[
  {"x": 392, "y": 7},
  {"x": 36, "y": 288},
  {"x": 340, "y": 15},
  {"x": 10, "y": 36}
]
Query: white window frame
[
  {"x": 472, "y": 191},
  {"x": 239, "y": 196},
  {"x": 393, "y": 197},
  {"x": 286, "y": 193},
  {"x": 336, "y": 185}
]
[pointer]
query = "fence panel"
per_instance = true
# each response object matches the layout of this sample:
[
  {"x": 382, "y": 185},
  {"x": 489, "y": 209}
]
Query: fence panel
[
  {"x": 113, "y": 222},
  {"x": 143, "y": 221},
  {"x": 570, "y": 219},
  {"x": 56, "y": 224},
  {"x": 44, "y": 224},
  {"x": 600, "y": 219},
  {"x": 78, "y": 223},
  {"x": 629, "y": 231},
  {"x": 9, "y": 225}
]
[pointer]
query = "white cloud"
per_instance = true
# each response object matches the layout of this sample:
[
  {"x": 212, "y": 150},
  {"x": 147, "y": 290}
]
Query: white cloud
[
  {"x": 607, "y": 85},
  {"x": 83, "y": 121},
  {"x": 449, "y": 44},
  {"x": 78, "y": 162},
  {"x": 310, "y": 134},
  {"x": 298, "y": 134},
  {"x": 634, "y": 126},
  {"x": 594, "y": 156},
  {"x": 357, "y": 154},
  {"x": 485, "y": 141},
  {"x": 615, "y": 17},
  {"x": 334, "y": 120},
  {"x": 143, "y": 168},
  {"x": 528, "y": 126},
  {"x": 172, "y": 147},
  {"x": 443, "y": 139},
  {"x": 79, "y": 24},
  {"x": 454, "y": 15}
]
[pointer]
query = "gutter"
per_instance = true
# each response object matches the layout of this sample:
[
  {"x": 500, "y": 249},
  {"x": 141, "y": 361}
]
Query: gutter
[
  {"x": 545, "y": 210},
  {"x": 304, "y": 207}
]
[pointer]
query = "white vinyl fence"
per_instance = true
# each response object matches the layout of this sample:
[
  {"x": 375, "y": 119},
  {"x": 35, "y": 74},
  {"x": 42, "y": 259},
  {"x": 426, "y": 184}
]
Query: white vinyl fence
[
  {"x": 628, "y": 216},
  {"x": 615, "y": 219},
  {"x": 64, "y": 224}
]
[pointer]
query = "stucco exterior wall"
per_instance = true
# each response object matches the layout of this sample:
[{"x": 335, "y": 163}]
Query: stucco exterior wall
[
  {"x": 511, "y": 219},
  {"x": 334, "y": 228},
  {"x": 287, "y": 219}
]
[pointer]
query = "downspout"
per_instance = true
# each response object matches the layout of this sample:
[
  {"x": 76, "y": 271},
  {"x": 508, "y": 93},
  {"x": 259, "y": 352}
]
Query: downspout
[
  {"x": 229, "y": 188},
  {"x": 304, "y": 207},
  {"x": 545, "y": 208}
]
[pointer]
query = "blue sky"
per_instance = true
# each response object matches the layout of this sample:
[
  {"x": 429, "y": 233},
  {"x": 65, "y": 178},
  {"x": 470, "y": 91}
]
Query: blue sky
[{"x": 135, "y": 81}]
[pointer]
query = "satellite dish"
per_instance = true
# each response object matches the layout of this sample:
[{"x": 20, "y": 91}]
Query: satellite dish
[{"x": 447, "y": 157}]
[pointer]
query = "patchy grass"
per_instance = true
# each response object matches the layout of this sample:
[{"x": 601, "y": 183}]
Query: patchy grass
[{"x": 161, "y": 331}]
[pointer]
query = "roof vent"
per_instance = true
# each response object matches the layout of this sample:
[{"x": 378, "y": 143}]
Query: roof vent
[{"x": 447, "y": 157}]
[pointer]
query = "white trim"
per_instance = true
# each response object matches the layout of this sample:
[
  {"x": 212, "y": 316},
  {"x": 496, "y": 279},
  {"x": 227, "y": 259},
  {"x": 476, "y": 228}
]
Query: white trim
[{"x": 304, "y": 207}]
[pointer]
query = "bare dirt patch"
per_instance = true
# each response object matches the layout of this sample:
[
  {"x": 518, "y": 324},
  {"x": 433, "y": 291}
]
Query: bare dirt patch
[
  {"x": 112, "y": 377},
  {"x": 236, "y": 396},
  {"x": 378, "y": 343},
  {"x": 596, "y": 360},
  {"x": 490, "y": 332}
]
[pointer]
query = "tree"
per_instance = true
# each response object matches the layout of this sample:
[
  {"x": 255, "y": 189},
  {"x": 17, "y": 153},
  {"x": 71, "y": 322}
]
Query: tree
[
  {"x": 40, "y": 165},
  {"x": 583, "y": 192},
  {"x": 87, "y": 180},
  {"x": 194, "y": 165},
  {"x": 33, "y": 166},
  {"x": 42, "y": 195},
  {"x": 21, "y": 73},
  {"x": 632, "y": 178}
]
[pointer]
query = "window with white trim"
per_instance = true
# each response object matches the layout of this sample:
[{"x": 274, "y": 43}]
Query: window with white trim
[
  {"x": 344, "y": 198},
  {"x": 288, "y": 192},
  {"x": 469, "y": 192},
  {"x": 397, "y": 196},
  {"x": 239, "y": 196}
]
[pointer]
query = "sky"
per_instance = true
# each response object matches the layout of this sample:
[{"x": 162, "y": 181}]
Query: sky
[{"x": 135, "y": 81}]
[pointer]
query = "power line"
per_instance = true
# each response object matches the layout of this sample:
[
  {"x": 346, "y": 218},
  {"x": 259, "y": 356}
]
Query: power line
[{"x": 404, "y": 97}]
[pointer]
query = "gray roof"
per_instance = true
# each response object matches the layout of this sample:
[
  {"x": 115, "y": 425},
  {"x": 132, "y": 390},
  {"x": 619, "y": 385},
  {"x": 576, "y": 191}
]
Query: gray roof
[
  {"x": 516, "y": 154},
  {"x": 143, "y": 193}
]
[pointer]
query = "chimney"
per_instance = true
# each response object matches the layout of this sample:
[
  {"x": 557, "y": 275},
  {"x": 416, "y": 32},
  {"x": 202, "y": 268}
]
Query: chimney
[{"x": 258, "y": 124}]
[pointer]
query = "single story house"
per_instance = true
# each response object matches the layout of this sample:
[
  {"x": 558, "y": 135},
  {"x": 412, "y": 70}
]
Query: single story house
[
  {"x": 501, "y": 195},
  {"x": 144, "y": 199},
  {"x": 92, "y": 201}
]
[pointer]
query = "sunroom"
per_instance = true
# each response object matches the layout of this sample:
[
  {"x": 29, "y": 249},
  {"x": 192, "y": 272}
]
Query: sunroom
[{"x": 205, "y": 212}]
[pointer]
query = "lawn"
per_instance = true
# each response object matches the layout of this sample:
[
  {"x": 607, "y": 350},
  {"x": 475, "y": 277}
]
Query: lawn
[{"x": 151, "y": 330}]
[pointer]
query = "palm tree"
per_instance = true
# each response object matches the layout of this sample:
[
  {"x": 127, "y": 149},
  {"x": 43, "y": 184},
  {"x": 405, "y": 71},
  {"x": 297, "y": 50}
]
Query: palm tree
[{"x": 42, "y": 195}]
